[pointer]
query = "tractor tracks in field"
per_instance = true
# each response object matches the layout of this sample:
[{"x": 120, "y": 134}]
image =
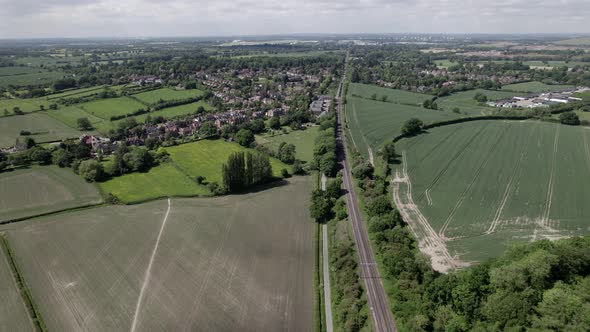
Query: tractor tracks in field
[
  {"x": 586, "y": 147},
  {"x": 463, "y": 196},
  {"x": 419, "y": 138},
  {"x": 444, "y": 170},
  {"x": 551, "y": 185},
  {"x": 148, "y": 272},
  {"x": 508, "y": 189}
]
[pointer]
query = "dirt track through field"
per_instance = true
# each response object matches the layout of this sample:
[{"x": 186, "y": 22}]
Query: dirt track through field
[
  {"x": 547, "y": 210},
  {"x": 430, "y": 242},
  {"x": 148, "y": 272}
]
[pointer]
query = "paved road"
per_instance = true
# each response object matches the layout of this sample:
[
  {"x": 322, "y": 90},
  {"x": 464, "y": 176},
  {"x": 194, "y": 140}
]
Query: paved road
[
  {"x": 378, "y": 305},
  {"x": 326, "y": 268}
]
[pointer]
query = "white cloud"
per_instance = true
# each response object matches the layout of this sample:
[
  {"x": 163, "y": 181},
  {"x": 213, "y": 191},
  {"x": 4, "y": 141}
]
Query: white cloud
[{"x": 80, "y": 18}]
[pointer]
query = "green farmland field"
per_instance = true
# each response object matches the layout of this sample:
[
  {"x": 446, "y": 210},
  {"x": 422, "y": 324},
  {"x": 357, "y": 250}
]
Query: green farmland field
[
  {"x": 76, "y": 93},
  {"x": 393, "y": 96},
  {"x": 166, "y": 94},
  {"x": 175, "y": 111},
  {"x": 30, "y": 79},
  {"x": 177, "y": 177},
  {"x": 372, "y": 122},
  {"x": 302, "y": 139},
  {"x": 444, "y": 63},
  {"x": 204, "y": 158},
  {"x": 43, "y": 127},
  {"x": 26, "y": 105},
  {"x": 534, "y": 87},
  {"x": 69, "y": 115},
  {"x": 13, "y": 314},
  {"x": 484, "y": 185},
  {"x": 235, "y": 263},
  {"x": 584, "y": 95},
  {"x": 106, "y": 108},
  {"x": 537, "y": 64},
  {"x": 468, "y": 106},
  {"x": 49, "y": 60},
  {"x": 161, "y": 181},
  {"x": 10, "y": 71},
  {"x": 43, "y": 189}
]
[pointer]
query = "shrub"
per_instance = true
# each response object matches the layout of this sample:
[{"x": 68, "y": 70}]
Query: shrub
[
  {"x": 91, "y": 170},
  {"x": 412, "y": 127},
  {"x": 569, "y": 118}
]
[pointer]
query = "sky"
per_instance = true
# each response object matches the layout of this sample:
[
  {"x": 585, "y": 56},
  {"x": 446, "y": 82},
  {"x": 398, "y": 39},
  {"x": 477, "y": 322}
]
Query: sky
[{"x": 168, "y": 18}]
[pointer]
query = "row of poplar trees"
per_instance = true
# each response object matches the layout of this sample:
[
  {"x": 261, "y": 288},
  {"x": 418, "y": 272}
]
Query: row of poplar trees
[{"x": 245, "y": 169}]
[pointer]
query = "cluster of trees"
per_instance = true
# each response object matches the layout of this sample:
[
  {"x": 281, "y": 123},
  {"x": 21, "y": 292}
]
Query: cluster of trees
[
  {"x": 77, "y": 155},
  {"x": 33, "y": 154},
  {"x": 245, "y": 137},
  {"x": 430, "y": 104},
  {"x": 243, "y": 170},
  {"x": 129, "y": 159},
  {"x": 324, "y": 204},
  {"x": 348, "y": 301},
  {"x": 286, "y": 153},
  {"x": 324, "y": 153},
  {"x": 84, "y": 124},
  {"x": 64, "y": 83},
  {"x": 412, "y": 127},
  {"x": 569, "y": 118},
  {"x": 480, "y": 97}
]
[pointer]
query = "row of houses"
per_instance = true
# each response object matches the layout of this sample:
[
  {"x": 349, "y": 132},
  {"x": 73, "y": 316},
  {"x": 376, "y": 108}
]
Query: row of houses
[{"x": 144, "y": 79}]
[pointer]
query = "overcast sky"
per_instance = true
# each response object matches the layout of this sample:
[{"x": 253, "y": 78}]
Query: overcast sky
[{"x": 129, "y": 18}]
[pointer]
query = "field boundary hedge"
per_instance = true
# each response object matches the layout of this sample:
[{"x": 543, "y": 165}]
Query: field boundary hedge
[
  {"x": 76, "y": 208},
  {"x": 23, "y": 289},
  {"x": 461, "y": 120},
  {"x": 156, "y": 107},
  {"x": 49, "y": 97}
]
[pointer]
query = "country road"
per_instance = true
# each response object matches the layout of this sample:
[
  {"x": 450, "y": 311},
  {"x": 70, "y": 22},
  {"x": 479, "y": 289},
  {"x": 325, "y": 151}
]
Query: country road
[{"x": 378, "y": 304}]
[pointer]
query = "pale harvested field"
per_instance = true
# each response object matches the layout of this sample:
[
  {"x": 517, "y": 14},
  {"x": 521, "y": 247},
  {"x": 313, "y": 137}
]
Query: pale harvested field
[
  {"x": 13, "y": 315},
  {"x": 237, "y": 263},
  {"x": 42, "y": 189}
]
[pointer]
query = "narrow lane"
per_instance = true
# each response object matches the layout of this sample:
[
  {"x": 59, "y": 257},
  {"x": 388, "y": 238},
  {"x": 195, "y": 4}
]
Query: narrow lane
[{"x": 326, "y": 269}]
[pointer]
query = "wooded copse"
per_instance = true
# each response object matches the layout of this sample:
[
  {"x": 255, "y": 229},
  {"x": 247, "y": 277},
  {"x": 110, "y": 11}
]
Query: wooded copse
[{"x": 243, "y": 170}]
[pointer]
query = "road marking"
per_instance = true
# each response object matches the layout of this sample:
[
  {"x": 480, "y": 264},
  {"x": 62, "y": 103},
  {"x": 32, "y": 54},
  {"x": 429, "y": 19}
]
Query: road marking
[{"x": 148, "y": 272}]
